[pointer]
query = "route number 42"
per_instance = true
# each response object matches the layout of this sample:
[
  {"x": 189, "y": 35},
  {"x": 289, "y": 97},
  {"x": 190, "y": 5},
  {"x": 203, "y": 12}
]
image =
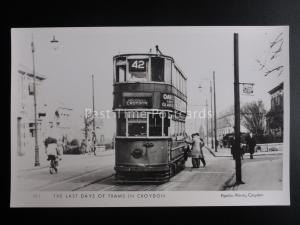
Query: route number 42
[{"x": 138, "y": 64}]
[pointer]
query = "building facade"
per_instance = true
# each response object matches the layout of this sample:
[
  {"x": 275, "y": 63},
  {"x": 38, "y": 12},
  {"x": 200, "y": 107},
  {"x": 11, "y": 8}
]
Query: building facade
[
  {"x": 274, "y": 117},
  {"x": 51, "y": 121},
  {"x": 25, "y": 111},
  {"x": 225, "y": 125}
]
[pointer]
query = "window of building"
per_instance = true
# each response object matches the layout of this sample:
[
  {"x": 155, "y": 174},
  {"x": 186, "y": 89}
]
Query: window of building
[
  {"x": 157, "y": 69},
  {"x": 30, "y": 89}
]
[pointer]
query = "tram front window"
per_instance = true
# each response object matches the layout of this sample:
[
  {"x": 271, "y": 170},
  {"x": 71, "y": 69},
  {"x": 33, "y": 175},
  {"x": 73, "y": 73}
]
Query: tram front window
[
  {"x": 137, "y": 127},
  {"x": 121, "y": 73},
  {"x": 138, "y": 70},
  {"x": 157, "y": 69}
]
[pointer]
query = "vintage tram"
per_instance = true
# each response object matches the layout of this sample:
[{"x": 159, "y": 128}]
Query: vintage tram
[{"x": 150, "y": 104}]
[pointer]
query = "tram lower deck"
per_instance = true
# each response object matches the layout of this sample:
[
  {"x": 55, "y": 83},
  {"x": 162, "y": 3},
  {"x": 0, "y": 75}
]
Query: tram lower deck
[{"x": 144, "y": 159}]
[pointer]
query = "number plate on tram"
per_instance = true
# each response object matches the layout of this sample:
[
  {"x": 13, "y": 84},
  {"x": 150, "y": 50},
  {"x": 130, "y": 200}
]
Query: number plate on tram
[{"x": 137, "y": 65}]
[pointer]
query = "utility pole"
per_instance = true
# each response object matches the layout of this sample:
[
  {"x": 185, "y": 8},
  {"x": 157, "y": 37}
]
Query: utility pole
[
  {"x": 93, "y": 103},
  {"x": 36, "y": 148},
  {"x": 215, "y": 113},
  {"x": 211, "y": 118},
  {"x": 94, "y": 134},
  {"x": 206, "y": 104},
  {"x": 237, "y": 151}
]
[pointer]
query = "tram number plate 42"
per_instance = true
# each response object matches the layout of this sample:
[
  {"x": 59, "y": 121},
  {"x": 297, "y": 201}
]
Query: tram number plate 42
[{"x": 137, "y": 65}]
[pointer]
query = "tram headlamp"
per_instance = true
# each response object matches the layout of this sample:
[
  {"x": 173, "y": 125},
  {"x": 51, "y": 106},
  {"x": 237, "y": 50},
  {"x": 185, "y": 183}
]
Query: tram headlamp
[{"x": 137, "y": 153}]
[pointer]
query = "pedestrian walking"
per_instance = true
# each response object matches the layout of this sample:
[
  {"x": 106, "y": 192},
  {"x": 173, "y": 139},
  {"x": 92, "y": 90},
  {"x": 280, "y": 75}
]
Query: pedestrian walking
[
  {"x": 94, "y": 142},
  {"x": 201, "y": 156},
  {"x": 251, "y": 144},
  {"x": 196, "y": 151}
]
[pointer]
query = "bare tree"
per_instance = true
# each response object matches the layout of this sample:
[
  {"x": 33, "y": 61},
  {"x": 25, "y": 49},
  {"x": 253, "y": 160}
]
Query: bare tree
[
  {"x": 253, "y": 114},
  {"x": 267, "y": 65}
]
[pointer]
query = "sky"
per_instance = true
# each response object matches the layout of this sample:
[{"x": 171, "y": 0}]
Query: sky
[{"x": 198, "y": 51}]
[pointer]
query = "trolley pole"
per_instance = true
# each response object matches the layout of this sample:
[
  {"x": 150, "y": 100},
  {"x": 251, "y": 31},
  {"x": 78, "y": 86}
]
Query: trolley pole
[
  {"x": 215, "y": 113},
  {"x": 211, "y": 118},
  {"x": 36, "y": 147},
  {"x": 237, "y": 151}
]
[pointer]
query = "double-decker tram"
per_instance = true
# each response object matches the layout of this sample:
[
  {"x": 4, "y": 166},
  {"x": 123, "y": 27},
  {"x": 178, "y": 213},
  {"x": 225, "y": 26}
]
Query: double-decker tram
[{"x": 150, "y": 105}]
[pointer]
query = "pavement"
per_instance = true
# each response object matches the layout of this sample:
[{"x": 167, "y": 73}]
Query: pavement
[
  {"x": 263, "y": 172},
  {"x": 226, "y": 152},
  {"x": 259, "y": 175}
]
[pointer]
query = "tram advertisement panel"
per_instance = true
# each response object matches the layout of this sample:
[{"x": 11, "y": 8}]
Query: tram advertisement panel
[{"x": 167, "y": 101}]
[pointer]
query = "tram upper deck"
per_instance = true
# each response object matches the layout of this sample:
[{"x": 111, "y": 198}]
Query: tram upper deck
[{"x": 150, "y": 81}]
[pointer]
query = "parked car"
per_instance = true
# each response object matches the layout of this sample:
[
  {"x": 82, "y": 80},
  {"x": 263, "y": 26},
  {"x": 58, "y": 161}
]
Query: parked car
[
  {"x": 227, "y": 141},
  {"x": 73, "y": 147}
]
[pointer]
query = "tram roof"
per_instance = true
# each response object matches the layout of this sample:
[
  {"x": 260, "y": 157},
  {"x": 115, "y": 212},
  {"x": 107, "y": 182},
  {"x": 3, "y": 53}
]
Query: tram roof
[
  {"x": 145, "y": 54},
  {"x": 154, "y": 55}
]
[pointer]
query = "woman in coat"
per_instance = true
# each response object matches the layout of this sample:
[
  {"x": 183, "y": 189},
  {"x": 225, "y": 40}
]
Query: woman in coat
[{"x": 196, "y": 152}]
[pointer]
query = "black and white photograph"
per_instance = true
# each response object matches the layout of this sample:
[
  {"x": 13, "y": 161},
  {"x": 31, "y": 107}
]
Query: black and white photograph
[{"x": 150, "y": 116}]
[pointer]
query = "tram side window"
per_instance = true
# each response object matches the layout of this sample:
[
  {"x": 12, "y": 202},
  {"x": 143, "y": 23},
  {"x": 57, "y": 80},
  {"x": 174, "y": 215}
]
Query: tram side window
[
  {"x": 121, "y": 124},
  {"x": 166, "y": 126},
  {"x": 121, "y": 73},
  {"x": 172, "y": 128},
  {"x": 168, "y": 71},
  {"x": 157, "y": 69},
  {"x": 155, "y": 125}
]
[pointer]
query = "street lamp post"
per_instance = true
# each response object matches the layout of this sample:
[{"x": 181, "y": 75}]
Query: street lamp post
[
  {"x": 206, "y": 115},
  {"x": 94, "y": 131},
  {"x": 36, "y": 148},
  {"x": 237, "y": 151},
  {"x": 206, "y": 104},
  {"x": 215, "y": 113},
  {"x": 211, "y": 118}
]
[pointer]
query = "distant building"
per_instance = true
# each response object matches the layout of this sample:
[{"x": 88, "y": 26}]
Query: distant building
[
  {"x": 47, "y": 118},
  {"x": 62, "y": 121},
  {"x": 25, "y": 110},
  {"x": 225, "y": 124},
  {"x": 274, "y": 117}
]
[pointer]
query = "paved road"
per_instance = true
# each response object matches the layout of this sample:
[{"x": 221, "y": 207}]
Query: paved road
[{"x": 95, "y": 173}]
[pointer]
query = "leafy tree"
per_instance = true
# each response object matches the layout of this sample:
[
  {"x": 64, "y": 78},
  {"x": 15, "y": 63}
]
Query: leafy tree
[{"x": 252, "y": 115}]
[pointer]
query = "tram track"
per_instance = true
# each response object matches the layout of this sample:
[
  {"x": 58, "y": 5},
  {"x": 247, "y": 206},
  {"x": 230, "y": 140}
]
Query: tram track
[{"x": 93, "y": 182}]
